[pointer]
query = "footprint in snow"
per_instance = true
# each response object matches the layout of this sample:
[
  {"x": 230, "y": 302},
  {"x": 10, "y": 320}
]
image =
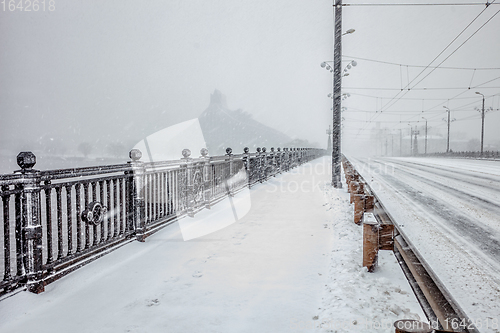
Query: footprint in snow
[
  {"x": 153, "y": 302},
  {"x": 197, "y": 274}
]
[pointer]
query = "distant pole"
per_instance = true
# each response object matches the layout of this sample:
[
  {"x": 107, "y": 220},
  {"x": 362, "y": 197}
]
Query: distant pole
[
  {"x": 426, "y": 137},
  {"x": 448, "y": 144},
  {"x": 392, "y": 145},
  {"x": 415, "y": 141},
  {"x": 337, "y": 92},
  {"x": 448, "y": 141},
  {"x": 411, "y": 141},
  {"x": 482, "y": 123},
  {"x": 400, "y": 142},
  {"x": 329, "y": 144},
  {"x": 482, "y": 128}
]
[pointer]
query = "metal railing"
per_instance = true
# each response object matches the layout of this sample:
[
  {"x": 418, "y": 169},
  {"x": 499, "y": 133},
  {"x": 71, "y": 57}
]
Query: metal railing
[
  {"x": 467, "y": 154},
  {"x": 57, "y": 221},
  {"x": 440, "y": 308}
]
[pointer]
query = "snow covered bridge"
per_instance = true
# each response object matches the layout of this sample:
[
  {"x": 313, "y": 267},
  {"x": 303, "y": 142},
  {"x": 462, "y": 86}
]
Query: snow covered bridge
[
  {"x": 291, "y": 264},
  {"x": 279, "y": 256}
]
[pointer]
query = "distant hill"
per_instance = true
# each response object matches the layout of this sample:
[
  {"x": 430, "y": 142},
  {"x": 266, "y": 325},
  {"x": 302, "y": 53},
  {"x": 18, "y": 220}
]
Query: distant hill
[{"x": 224, "y": 128}]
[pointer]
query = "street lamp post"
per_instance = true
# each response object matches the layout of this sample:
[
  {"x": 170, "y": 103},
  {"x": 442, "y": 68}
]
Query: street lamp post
[
  {"x": 400, "y": 142},
  {"x": 448, "y": 141},
  {"x": 337, "y": 88},
  {"x": 411, "y": 140},
  {"x": 425, "y": 135},
  {"x": 415, "y": 141},
  {"x": 482, "y": 123}
]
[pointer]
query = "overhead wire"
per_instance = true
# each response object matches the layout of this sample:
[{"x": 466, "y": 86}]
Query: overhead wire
[
  {"x": 458, "y": 47},
  {"x": 420, "y": 66},
  {"x": 409, "y": 98},
  {"x": 436, "y": 57},
  {"x": 387, "y": 105},
  {"x": 420, "y": 4},
  {"x": 419, "y": 89}
]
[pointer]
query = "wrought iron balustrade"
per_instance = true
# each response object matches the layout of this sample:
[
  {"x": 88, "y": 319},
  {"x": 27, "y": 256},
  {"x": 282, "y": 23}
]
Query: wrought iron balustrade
[
  {"x": 59, "y": 220},
  {"x": 467, "y": 154}
]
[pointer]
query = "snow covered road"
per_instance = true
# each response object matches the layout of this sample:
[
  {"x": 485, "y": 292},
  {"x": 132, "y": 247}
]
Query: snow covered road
[{"x": 450, "y": 210}]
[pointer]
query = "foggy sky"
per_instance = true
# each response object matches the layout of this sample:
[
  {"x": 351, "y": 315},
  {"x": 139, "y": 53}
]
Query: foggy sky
[{"x": 116, "y": 71}]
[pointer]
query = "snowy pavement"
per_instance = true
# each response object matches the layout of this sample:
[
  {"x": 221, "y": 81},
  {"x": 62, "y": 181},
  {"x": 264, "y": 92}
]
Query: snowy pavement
[
  {"x": 292, "y": 264},
  {"x": 450, "y": 211}
]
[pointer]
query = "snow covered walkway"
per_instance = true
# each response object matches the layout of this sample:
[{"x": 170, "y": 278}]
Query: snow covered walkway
[{"x": 271, "y": 271}]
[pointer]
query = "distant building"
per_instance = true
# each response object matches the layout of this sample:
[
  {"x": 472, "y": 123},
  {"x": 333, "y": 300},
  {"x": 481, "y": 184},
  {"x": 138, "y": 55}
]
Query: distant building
[{"x": 237, "y": 129}]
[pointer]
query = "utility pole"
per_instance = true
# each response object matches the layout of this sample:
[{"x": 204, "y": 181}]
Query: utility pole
[
  {"x": 482, "y": 123},
  {"x": 448, "y": 141},
  {"x": 415, "y": 142},
  {"x": 482, "y": 128},
  {"x": 425, "y": 135},
  {"x": 337, "y": 92},
  {"x": 392, "y": 145},
  {"x": 400, "y": 142},
  {"x": 411, "y": 141}
]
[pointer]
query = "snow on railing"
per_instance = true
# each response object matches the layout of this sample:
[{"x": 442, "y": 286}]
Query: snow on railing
[{"x": 57, "y": 221}]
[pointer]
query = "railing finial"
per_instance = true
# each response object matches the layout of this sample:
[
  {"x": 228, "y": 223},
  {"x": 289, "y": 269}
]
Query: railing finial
[
  {"x": 204, "y": 152},
  {"x": 26, "y": 160},
  {"x": 186, "y": 153},
  {"x": 135, "y": 154}
]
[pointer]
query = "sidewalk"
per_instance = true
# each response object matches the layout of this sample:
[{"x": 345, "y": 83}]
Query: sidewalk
[{"x": 292, "y": 264}]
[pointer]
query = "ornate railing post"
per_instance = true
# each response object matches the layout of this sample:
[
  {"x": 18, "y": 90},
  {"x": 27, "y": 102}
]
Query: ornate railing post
[
  {"x": 278, "y": 160},
  {"x": 189, "y": 182},
  {"x": 137, "y": 214},
  {"x": 288, "y": 158},
  {"x": 285, "y": 159},
  {"x": 264, "y": 165},
  {"x": 207, "y": 195},
  {"x": 31, "y": 222},
  {"x": 229, "y": 165},
  {"x": 272, "y": 161},
  {"x": 248, "y": 165},
  {"x": 258, "y": 164}
]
